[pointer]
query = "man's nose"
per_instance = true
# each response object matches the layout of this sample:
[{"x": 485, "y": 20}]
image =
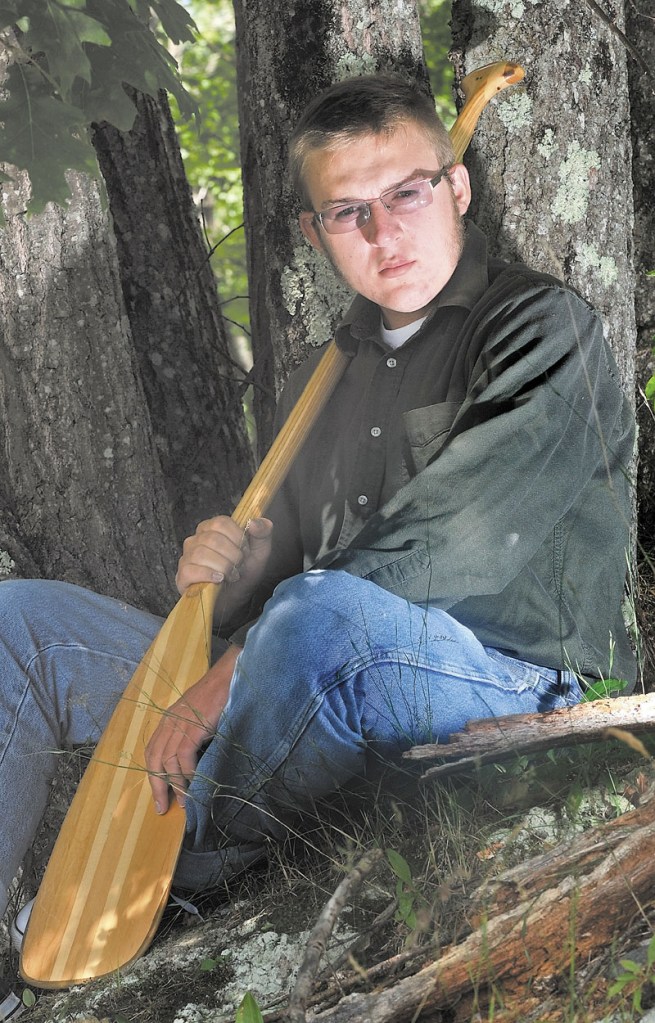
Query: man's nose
[{"x": 382, "y": 225}]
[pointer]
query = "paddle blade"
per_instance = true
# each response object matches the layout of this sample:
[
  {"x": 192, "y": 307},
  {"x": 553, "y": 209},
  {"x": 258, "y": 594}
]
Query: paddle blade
[{"x": 109, "y": 875}]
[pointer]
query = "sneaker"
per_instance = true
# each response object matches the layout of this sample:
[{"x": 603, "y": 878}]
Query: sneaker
[
  {"x": 11, "y": 1006},
  {"x": 17, "y": 929}
]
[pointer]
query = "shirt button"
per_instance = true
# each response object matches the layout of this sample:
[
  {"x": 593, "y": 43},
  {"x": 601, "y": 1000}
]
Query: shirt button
[
  {"x": 391, "y": 363},
  {"x": 375, "y": 431},
  {"x": 362, "y": 499}
]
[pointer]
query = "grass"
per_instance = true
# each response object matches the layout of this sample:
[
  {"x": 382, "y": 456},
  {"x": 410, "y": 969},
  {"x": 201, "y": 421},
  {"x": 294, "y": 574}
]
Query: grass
[
  {"x": 442, "y": 842},
  {"x": 440, "y": 848}
]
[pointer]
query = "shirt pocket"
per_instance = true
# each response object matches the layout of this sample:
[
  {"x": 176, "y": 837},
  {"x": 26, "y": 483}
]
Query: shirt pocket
[{"x": 426, "y": 431}]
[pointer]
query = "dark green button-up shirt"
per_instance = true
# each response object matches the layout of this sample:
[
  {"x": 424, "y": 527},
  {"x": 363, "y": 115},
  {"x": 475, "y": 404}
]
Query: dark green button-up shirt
[{"x": 481, "y": 468}]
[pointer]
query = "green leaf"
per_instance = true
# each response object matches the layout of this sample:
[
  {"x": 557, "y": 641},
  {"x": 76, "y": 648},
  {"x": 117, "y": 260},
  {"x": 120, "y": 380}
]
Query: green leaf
[
  {"x": 60, "y": 32},
  {"x": 603, "y": 688},
  {"x": 618, "y": 985},
  {"x": 42, "y": 135},
  {"x": 176, "y": 22},
  {"x": 248, "y": 1011},
  {"x": 399, "y": 865},
  {"x": 141, "y": 8},
  {"x": 650, "y": 389},
  {"x": 108, "y": 101},
  {"x": 28, "y": 998}
]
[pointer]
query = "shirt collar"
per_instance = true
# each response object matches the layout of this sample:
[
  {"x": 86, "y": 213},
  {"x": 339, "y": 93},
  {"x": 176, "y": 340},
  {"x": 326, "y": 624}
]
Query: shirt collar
[{"x": 469, "y": 281}]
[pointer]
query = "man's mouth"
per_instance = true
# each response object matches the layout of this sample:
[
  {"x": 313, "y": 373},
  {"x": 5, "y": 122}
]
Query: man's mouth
[{"x": 395, "y": 268}]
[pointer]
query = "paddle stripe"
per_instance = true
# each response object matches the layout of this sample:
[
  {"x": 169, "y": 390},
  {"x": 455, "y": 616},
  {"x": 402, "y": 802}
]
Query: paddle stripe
[
  {"x": 144, "y": 802},
  {"x": 86, "y": 880},
  {"x": 144, "y": 704}
]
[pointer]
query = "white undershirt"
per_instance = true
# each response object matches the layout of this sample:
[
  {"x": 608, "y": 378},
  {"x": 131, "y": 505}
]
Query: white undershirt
[{"x": 396, "y": 338}]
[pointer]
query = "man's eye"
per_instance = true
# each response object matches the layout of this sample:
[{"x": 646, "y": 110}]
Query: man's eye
[
  {"x": 404, "y": 195},
  {"x": 345, "y": 212}
]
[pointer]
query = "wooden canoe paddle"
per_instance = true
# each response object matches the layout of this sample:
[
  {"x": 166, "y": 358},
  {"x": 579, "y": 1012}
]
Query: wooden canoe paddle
[{"x": 110, "y": 873}]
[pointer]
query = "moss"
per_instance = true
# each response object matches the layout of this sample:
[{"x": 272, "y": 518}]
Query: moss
[
  {"x": 310, "y": 288},
  {"x": 547, "y": 145},
  {"x": 513, "y": 8},
  {"x": 7, "y": 564},
  {"x": 604, "y": 268},
  {"x": 516, "y": 111},
  {"x": 352, "y": 64},
  {"x": 576, "y": 175}
]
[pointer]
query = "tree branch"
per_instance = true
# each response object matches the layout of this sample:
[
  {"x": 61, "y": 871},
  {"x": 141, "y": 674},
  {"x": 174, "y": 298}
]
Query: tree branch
[
  {"x": 614, "y": 28},
  {"x": 493, "y": 739},
  {"x": 319, "y": 937}
]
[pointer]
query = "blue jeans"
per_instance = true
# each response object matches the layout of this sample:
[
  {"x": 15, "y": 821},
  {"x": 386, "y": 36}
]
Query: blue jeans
[{"x": 336, "y": 675}]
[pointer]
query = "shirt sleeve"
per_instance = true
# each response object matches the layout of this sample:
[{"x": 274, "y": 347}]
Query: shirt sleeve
[{"x": 539, "y": 419}]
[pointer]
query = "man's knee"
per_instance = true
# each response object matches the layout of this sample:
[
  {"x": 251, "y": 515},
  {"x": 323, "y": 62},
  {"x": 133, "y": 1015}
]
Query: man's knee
[{"x": 323, "y": 590}]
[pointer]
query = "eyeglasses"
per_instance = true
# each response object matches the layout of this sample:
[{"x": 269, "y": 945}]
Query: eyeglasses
[{"x": 406, "y": 198}]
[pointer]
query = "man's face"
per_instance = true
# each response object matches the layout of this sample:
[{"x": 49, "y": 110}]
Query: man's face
[{"x": 399, "y": 261}]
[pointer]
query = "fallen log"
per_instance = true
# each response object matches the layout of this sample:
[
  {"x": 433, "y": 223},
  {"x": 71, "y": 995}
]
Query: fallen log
[
  {"x": 532, "y": 923},
  {"x": 493, "y": 739}
]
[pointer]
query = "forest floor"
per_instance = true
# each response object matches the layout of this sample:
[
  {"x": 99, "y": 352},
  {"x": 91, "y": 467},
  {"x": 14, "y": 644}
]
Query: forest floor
[{"x": 441, "y": 842}]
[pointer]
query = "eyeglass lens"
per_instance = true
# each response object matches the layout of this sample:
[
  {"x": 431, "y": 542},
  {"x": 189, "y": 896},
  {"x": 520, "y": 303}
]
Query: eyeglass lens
[{"x": 412, "y": 195}]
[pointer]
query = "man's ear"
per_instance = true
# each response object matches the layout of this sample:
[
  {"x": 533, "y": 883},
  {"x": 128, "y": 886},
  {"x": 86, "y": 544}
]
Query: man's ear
[
  {"x": 310, "y": 229},
  {"x": 461, "y": 185}
]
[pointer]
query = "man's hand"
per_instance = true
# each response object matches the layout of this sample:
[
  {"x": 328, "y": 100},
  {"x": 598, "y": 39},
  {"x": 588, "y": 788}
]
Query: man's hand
[
  {"x": 220, "y": 551},
  {"x": 172, "y": 753}
]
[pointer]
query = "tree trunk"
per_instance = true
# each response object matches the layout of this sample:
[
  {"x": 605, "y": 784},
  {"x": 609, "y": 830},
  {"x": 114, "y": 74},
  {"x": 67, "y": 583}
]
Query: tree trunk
[
  {"x": 640, "y": 20},
  {"x": 80, "y": 476},
  {"x": 193, "y": 387},
  {"x": 550, "y": 166},
  {"x": 282, "y": 61}
]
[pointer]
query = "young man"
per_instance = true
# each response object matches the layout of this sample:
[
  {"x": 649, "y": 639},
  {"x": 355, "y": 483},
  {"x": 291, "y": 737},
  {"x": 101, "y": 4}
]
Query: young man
[{"x": 450, "y": 544}]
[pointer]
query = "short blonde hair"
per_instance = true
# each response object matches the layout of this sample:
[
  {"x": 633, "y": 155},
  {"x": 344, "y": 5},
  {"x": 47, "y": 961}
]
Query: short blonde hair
[{"x": 369, "y": 104}]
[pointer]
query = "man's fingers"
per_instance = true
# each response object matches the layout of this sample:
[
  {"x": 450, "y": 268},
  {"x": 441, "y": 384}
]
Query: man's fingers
[{"x": 172, "y": 754}]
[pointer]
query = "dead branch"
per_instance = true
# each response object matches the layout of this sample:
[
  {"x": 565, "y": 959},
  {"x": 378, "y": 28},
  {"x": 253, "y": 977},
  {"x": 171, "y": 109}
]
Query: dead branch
[
  {"x": 492, "y": 739},
  {"x": 320, "y": 935},
  {"x": 532, "y": 923}
]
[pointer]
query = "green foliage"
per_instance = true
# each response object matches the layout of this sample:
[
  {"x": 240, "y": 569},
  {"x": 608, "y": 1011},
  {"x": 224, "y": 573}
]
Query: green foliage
[
  {"x": 635, "y": 977},
  {"x": 70, "y": 61},
  {"x": 603, "y": 688},
  {"x": 211, "y": 151},
  {"x": 435, "y": 30},
  {"x": 407, "y": 895},
  {"x": 28, "y": 998},
  {"x": 209, "y": 964},
  {"x": 248, "y": 1011}
]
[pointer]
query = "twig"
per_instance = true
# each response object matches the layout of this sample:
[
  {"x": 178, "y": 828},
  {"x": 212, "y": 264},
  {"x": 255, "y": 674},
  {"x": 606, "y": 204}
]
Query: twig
[
  {"x": 320, "y": 935},
  {"x": 363, "y": 939},
  {"x": 630, "y": 47}
]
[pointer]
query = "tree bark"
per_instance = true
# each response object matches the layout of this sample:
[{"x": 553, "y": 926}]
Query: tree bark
[
  {"x": 80, "y": 476},
  {"x": 640, "y": 28},
  {"x": 282, "y": 61},
  {"x": 192, "y": 386},
  {"x": 550, "y": 165},
  {"x": 492, "y": 739}
]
